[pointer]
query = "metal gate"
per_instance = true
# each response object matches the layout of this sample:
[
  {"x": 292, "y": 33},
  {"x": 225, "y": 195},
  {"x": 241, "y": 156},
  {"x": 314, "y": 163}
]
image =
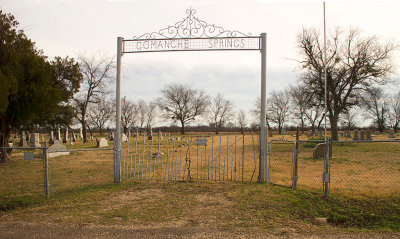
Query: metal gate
[
  {"x": 281, "y": 162},
  {"x": 223, "y": 157}
]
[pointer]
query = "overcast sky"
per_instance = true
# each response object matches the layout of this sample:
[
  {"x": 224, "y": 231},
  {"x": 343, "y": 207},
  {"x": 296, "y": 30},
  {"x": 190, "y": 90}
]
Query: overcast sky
[{"x": 69, "y": 27}]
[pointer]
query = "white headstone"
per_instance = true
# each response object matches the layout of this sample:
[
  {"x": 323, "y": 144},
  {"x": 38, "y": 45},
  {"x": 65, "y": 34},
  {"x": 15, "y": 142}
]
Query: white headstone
[{"x": 102, "y": 142}]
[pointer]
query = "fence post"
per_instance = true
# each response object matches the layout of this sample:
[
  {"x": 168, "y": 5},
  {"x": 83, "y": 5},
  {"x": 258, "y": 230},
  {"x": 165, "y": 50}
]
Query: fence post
[
  {"x": 326, "y": 175},
  {"x": 295, "y": 160},
  {"x": 46, "y": 172}
]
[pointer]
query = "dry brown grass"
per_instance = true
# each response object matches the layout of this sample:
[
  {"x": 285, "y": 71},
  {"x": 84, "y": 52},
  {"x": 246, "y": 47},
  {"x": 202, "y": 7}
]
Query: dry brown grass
[{"x": 370, "y": 169}]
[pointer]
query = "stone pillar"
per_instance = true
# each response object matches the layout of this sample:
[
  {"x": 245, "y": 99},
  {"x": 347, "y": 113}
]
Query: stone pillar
[
  {"x": 391, "y": 133},
  {"x": 111, "y": 136},
  {"x": 58, "y": 135},
  {"x": 65, "y": 139},
  {"x": 362, "y": 135},
  {"x": 80, "y": 133},
  {"x": 22, "y": 141},
  {"x": 51, "y": 140},
  {"x": 355, "y": 136}
]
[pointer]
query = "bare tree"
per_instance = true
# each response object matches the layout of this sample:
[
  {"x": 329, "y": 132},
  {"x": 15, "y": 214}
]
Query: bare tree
[
  {"x": 96, "y": 71},
  {"x": 394, "y": 111},
  {"x": 129, "y": 115},
  {"x": 220, "y": 112},
  {"x": 375, "y": 104},
  {"x": 151, "y": 113},
  {"x": 101, "y": 114},
  {"x": 348, "y": 118},
  {"x": 278, "y": 108},
  {"x": 353, "y": 64},
  {"x": 299, "y": 99},
  {"x": 256, "y": 112},
  {"x": 241, "y": 120},
  {"x": 314, "y": 113},
  {"x": 182, "y": 103}
]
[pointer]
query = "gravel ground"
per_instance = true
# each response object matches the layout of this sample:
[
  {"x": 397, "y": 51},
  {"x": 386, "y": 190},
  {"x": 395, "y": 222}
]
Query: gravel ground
[{"x": 18, "y": 230}]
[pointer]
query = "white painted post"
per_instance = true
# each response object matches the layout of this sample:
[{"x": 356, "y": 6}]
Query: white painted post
[
  {"x": 263, "y": 134},
  {"x": 117, "y": 140}
]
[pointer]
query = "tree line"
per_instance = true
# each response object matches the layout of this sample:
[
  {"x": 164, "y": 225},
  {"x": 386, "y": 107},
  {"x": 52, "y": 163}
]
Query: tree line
[{"x": 38, "y": 92}]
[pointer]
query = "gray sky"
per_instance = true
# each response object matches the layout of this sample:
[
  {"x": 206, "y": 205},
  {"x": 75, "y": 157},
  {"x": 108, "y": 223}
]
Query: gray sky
[{"x": 69, "y": 27}]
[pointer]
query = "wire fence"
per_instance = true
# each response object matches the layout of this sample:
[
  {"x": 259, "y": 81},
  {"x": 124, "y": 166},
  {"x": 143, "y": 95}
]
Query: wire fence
[{"x": 356, "y": 168}]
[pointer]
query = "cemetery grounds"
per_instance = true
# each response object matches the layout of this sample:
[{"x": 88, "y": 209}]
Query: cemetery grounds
[{"x": 364, "y": 193}]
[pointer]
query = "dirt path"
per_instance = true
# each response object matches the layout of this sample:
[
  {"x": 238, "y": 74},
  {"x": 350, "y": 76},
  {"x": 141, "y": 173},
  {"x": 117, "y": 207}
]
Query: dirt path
[{"x": 19, "y": 230}]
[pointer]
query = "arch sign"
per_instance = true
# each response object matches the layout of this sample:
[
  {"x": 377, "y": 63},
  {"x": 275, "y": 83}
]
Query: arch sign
[{"x": 191, "y": 34}]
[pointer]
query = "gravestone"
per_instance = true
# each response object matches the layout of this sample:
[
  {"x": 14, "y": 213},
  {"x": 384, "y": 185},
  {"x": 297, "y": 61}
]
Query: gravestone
[
  {"x": 101, "y": 143},
  {"x": 22, "y": 142},
  {"x": 27, "y": 136},
  {"x": 362, "y": 135},
  {"x": 368, "y": 136},
  {"x": 80, "y": 133},
  {"x": 319, "y": 151},
  {"x": 310, "y": 132},
  {"x": 58, "y": 134},
  {"x": 377, "y": 132},
  {"x": 57, "y": 149},
  {"x": 320, "y": 133},
  {"x": 73, "y": 137},
  {"x": 35, "y": 140},
  {"x": 283, "y": 132},
  {"x": 124, "y": 138},
  {"x": 51, "y": 140},
  {"x": 391, "y": 133},
  {"x": 355, "y": 136},
  {"x": 316, "y": 132},
  {"x": 42, "y": 138},
  {"x": 111, "y": 136},
  {"x": 341, "y": 134},
  {"x": 150, "y": 133},
  {"x": 65, "y": 139}
]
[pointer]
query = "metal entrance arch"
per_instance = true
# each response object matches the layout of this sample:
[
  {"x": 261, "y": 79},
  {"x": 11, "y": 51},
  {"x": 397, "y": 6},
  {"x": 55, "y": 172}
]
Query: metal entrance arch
[{"x": 193, "y": 34}]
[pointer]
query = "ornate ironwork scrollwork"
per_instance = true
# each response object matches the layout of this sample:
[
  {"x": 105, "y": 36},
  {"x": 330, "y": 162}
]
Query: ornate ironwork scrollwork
[{"x": 191, "y": 27}]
